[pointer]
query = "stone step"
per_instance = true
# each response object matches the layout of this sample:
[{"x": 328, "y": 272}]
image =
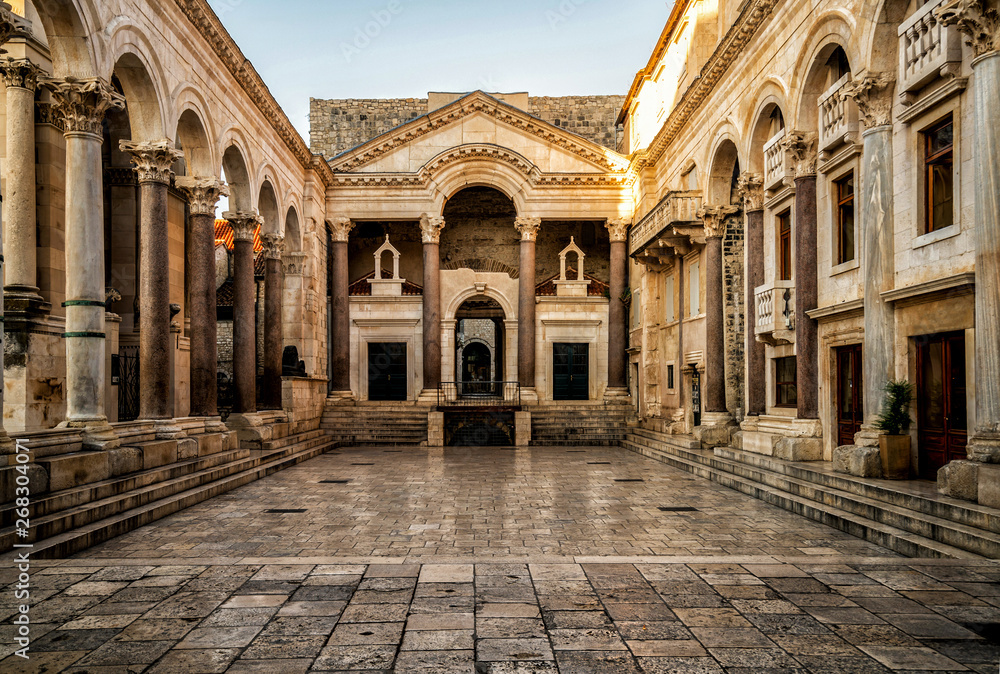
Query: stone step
[{"x": 288, "y": 440}]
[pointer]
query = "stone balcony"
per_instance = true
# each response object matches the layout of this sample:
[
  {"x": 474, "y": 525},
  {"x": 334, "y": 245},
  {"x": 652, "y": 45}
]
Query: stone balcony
[
  {"x": 776, "y": 166},
  {"x": 675, "y": 208},
  {"x": 775, "y": 304},
  {"x": 838, "y": 117},
  {"x": 927, "y": 48}
]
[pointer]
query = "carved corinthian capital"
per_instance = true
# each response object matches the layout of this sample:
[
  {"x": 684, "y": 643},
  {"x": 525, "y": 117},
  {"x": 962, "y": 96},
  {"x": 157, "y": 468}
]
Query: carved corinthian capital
[
  {"x": 20, "y": 73},
  {"x": 203, "y": 194},
  {"x": 528, "y": 227},
  {"x": 340, "y": 228},
  {"x": 274, "y": 246},
  {"x": 244, "y": 225},
  {"x": 430, "y": 228},
  {"x": 82, "y": 104},
  {"x": 153, "y": 160},
  {"x": 714, "y": 219},
  {"x": 801, "y": 149},
  {"x": 618, "y": 228},
  {"x": 873, "y": 94},
  {"x": 751, "y": 190},
  {"x": 11, "y": 25},
  {"x": 979, "y": 20}
]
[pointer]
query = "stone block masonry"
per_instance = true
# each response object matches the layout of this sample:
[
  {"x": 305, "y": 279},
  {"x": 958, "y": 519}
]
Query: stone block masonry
[{"x": 338, "y": 125}]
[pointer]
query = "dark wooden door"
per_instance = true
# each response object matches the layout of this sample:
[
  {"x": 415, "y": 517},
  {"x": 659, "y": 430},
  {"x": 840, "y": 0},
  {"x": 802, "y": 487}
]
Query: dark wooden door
[
  {"x": 571, "y": 371},
  {"x": 942, "y": 417},
  {"x": 850, "y": 411},
  {"x": 386, "y": 371}
]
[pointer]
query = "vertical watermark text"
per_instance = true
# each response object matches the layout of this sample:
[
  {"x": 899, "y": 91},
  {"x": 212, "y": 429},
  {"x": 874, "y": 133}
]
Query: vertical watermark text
[{"x": 22, "y": 511}]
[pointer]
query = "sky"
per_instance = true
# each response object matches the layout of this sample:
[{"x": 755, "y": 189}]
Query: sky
[{"x": 405, "y": 48}]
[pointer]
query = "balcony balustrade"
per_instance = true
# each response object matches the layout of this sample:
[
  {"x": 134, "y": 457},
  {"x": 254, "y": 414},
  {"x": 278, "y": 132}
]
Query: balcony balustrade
[{"x": 926, "y": 47}]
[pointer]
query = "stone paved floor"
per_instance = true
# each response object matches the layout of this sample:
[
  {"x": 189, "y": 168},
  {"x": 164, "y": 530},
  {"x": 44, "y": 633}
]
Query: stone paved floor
[{"x": 496, "y": 562}]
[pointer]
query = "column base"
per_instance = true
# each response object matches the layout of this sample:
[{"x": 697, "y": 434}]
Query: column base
[
  {"x": 529, "y": 395},
  {"x": 341, "y": 397},
  {"x": 867, "y": 436},
  {"x": 97, "y": 434},
  {"x": 984, "y": 446},
  {"x": 250, "y": 429},
  {"x": 215, "y": 425},
  {"x": 25, "y": 301},
  {"x": 428, "y": 396},
  {"x": 168, "y": 429},
  {"x": 7, "y": 444},
  {"x": 617, "y": 394},
  {"x": 716, "y": 429}
]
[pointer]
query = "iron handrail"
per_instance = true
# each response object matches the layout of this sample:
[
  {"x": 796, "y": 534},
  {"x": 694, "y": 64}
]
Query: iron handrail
[{"x": 479, "y": 393}]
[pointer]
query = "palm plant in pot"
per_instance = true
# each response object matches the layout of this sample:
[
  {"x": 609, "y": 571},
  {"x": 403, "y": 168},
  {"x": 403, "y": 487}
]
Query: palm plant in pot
[{"x": 894, "y": 421}]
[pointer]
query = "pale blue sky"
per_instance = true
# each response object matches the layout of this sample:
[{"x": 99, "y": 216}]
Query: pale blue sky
[{"x": 405, "y": 48}]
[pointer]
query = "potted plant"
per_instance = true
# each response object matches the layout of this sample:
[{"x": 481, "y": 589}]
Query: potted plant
[{"x": 894, "y": 421}]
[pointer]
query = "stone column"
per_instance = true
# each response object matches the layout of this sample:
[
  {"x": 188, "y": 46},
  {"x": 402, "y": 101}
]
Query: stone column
[
  {"x": 981, "y": 26},
  {"x": 617, "y": 328},
  {"x": 82, "y": 104},
  {"x": 714, "y": 218},
  {"x": 274, "y": 331},
  {"x": 340, "y": 321},
  {"x": 153, "y": 161},
  {"x": 751, "y": 187},
  {"x": 873, "y": 94},
  {"x": 430, "y": 231},
  {"x": 528, "y": 227},
  {"x": 203, "y": 195},
  {"x": 20, "y": 280},
  {"x": 244, "y": 312},
  {"x": 802, "y": 148}
]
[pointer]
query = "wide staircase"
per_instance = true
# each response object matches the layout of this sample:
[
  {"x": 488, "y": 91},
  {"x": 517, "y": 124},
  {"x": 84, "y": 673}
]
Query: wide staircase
[
  {"x": 375, "y": 423},
  {"x": 598, "y": 424},
  {"x": 75, "y": 514},
  {"x": 909, "y": 517}
]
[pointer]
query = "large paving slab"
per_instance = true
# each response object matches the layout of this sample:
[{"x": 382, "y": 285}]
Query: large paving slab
[{"x": 538, "y": 562}]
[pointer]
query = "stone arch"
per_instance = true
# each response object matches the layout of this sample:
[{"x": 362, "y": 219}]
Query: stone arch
[
  {"x": 293, "y": 235},
  {"x": 881, "y": 51},
  {"x": 725, "y": 162},
  {"x": 834, "y": 29},
  {"x": 480, "y": 173},
  {"x": 140, "y": 81},
  {"x": 235, "y": 166},
  {"x": 509, "y": 309},
  {"x": 267, "y": 174},
  {"x": 69, "y": 27},
  {"x": 759, "y": 131},
  {"x": 192, "y": 138},
  {"x": 267, "y": 204}
]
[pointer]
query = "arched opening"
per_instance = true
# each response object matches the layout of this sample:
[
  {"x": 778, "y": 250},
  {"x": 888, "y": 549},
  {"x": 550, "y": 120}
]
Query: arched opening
[
  {"x": 830, "y": 68},
  {"x": 68, "y": 38},
  {"x": 268, "y": 208},
  {"x": 477, "y": 364},
  {"x": 234, "y": 168},
  {"x": 293, "y": 238},
  {"x": 479, "y": 225},
  {"x": 725, "y": 175},
  {"x": 193, "y": 140},
  {"x": 145, "y": 116},
  {"x": 479, "y": 344}
]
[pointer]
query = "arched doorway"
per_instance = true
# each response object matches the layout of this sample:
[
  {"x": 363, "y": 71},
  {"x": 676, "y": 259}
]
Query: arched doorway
[
  {"x": 477, "y": 365},
  {"x": 479, "y": 346}
]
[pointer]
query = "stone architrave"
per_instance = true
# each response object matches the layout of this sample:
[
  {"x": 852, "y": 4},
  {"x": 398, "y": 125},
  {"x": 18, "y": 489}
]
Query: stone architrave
[
  {"x": 203, "y": 196},
  {"x": 430, "y": 233},
  {"x": 528, "y": 228},
  {"x": 274, "y": 247},
  {"x": 714, "y": 219},
  {"x": 153, "y": 162},
  {"x": 980, "y": 23},
  {"x": 82, "y": 104},
  {"x": 244, "y": 313},
  {"x": 751, "y": 190},
  {"x": 873, "y": 94},
  {"x": 340, "y": 353},
  {"x": 617, "y": 315}
]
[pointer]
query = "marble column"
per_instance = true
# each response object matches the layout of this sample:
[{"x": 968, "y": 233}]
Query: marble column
[
  {"x": 244, "y": 312},
  {"x": 203, "y": 196},
  {"x": 20, "y": 277},
  {"x": 751, "y": 188},
  {"x": 982, "y": 31},
  {"x": 153, "y": 162},
  {"x": 873, "y": 93},
  {"x": 82, "y": 104},
  {"x": 340, "y": 321},
  {"x": 714, "y": 219},
  {"x": 617, "y": 328},
  {"x": 528, "y": 227},
  {"x": 274, "y": 331},
  {"x": 430, "y": 231}
]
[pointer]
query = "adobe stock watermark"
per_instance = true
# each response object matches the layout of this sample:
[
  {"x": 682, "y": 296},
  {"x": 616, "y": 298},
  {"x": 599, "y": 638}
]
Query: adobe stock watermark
[
  {"x": 223, "y": 7},
  {"x": 371, "y": 30},
  {"x": 22, "y": 589},
  {"x": 563, "y": 12}
]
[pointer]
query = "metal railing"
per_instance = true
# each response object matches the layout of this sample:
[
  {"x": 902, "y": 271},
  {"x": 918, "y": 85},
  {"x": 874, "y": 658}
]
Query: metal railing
[{"x": 479, "y": 394}]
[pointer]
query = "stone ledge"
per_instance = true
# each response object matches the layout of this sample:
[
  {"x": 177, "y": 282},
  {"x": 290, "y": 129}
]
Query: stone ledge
[{"x": 857, "y": 461}]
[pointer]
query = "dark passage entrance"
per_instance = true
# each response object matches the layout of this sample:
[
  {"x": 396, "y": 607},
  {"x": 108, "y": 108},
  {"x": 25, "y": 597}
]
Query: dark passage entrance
[
  {"x": 484, "y": 427},
  {"x": 942, "y": 418},
  {"x": 571, "y": 371},
  {"x": 850, "y": 411},
  {"x": 386, "y": 371}
]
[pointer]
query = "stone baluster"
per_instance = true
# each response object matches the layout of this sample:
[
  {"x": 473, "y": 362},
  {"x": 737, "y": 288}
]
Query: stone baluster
[
  {"x": 274, "y": 289},
  {"x": 430, "y": 231},
  {"x": 153, "y": 162},
  {"x": 528, "y": 228},
  {"x": 244, "y": 315},
  {"x": 340, "y": 330},
  {"x": 203, "y": 195},
  {"x": 617, "y": 328},
  {"x": 716, "y": 412},
  {"x": 751, "y": 188}
]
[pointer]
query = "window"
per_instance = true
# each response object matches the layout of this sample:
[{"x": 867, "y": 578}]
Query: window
[
  {"x": 939, "y": 176},
  {"x": 845, "y": 218},
  {"x": 837, "y": 65},
  {"x": 695, "y": 285},
  {"x": 785, "y": 246},
  {"x": 670, "y": 313},
  {"x": 670, "y": 377},
  {"x": 784, "y": 382}
]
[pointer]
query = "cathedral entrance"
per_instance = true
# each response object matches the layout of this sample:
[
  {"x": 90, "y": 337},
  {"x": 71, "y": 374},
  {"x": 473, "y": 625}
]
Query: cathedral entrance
[{"x": 479, "y": 342}]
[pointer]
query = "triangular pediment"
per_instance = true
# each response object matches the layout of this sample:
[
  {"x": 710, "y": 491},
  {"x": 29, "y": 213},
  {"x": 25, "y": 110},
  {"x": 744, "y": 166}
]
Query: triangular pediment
[{"x": 480, "y": 127}]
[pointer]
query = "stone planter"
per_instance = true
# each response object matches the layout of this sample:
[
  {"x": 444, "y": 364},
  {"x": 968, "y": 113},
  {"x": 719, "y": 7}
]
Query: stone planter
[{"x": 894, "y": 451}]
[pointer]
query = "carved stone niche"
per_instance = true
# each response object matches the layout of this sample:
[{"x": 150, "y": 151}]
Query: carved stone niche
[
  {"x": 566, "y": 287},
  {"x": 387, "y": 287}
]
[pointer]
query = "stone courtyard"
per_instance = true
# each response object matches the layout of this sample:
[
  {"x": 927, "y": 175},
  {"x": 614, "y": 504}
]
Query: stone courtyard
[{"x": 563, "y": 559}]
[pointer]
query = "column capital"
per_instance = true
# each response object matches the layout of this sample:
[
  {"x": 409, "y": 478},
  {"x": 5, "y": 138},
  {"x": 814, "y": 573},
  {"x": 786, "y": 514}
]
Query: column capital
[
  {"x": 11, "y": 24},
  {"x": 82, "y": 103},
  {"x": 528, "y": 227},
  {"x": 430, "y": 228},
  {"x": 203, "y": 194},
  {"x": 873, "y": 94},
  {"x": 244, "y": 224},
  {"x": 802, "y": 147},
  {"x": 714, "y": 219},
  {"x": 751, "y": 190},
  {"x": 153, "y": 159},
  {"x": 20, "y": 73},
  {"x": 340, "y": 228},
  {"x": 618, "y": 228},
  {"x": 274, "y": 246},
  {"x": 979, "y": 22}
]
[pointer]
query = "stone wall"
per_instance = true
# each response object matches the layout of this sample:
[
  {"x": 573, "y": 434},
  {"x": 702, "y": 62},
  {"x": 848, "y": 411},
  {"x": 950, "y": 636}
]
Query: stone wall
[{"x": 592, "y": 117}]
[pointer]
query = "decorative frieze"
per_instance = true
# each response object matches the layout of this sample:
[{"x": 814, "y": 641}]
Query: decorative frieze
[
  {"x": 618, "y": 228},
  {"x": 20, "y": 73},
  {"x": 873, "y": 94},
  {"x": 244, "y": 225},
  {"x": 528, "y": 227},
  {"x": 82, "y": 103},
  {"x": 714, "y": 219},
  {"x": 274, "y": 246},
  {"x": 340, "y": 228},
  {"x": 202, "y": 194},
  {"x": 979, "y": 20},
  {"x": 430, "y": 228},
  {"x": 750, "y": 187},
  {"x": 153, "y": 160}
]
